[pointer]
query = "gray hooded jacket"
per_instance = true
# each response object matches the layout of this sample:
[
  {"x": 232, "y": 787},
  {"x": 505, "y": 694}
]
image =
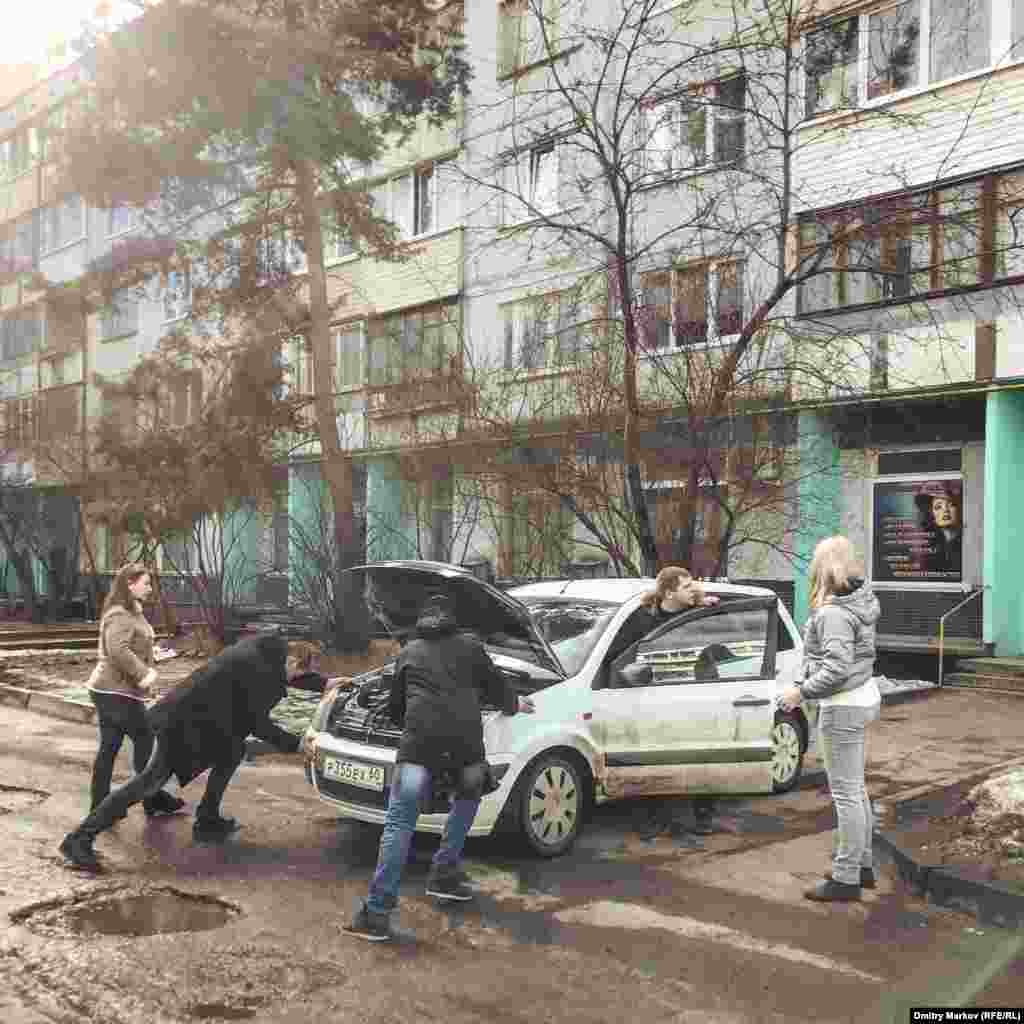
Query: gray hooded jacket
[{"x": 839, "y": 643}]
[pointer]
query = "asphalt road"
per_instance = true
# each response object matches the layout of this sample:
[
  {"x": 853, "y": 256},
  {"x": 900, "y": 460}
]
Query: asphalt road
[{"x": 675, "y": 929}]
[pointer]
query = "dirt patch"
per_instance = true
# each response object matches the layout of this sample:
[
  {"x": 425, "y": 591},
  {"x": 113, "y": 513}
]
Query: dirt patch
[{"x": 939, "y": 830}]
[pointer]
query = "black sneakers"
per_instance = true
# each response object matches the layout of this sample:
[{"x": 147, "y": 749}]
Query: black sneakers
[
  {"x": 832, "y": 891},
  {"x": 213, "y": 830},
  {"x": 78, "y": 850},
  {"x": 867, "y": 877},
  {"x": 449, "y": 886},
  {"x": 370, "y": 926},
  {"x": 162, "y": 803}
]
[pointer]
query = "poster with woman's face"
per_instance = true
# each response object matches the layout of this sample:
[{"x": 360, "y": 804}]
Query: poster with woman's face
[{"x": 918, "y": 531}]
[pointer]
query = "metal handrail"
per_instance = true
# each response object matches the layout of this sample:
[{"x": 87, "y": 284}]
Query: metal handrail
[{"x": 976, "y": 592}]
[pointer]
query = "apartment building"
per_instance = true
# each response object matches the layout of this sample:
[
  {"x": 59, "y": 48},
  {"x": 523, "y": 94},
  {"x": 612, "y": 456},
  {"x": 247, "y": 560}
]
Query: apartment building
[{"x": 911, "y": 165}]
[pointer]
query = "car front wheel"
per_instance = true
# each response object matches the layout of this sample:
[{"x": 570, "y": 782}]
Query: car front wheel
[
  {"x": 788, "y": 758},
  {"x": 551, "y": 803}
]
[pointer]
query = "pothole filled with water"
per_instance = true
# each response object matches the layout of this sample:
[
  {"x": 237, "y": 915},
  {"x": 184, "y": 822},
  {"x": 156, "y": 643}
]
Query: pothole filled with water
[
  {"x": 15, "y": 799},
  {"x": 153, "y": 912}
]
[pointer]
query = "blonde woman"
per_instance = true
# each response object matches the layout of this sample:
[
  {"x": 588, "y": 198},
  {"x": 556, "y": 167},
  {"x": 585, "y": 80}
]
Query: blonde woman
[
  {"x": 120, "y": 683},
  {"x": 675, "y": 591},
  {"x": 839, "y": 659}
]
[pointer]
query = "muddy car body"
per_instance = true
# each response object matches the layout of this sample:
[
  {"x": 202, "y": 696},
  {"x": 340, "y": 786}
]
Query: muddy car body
[{"x": 689, "y": 709}]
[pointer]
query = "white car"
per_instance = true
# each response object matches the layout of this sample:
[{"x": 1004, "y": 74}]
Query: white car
[{"x": 689, "y": 709}]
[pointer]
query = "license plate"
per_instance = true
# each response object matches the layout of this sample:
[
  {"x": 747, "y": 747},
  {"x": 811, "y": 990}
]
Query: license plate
[{"x": 354, "y": 773}]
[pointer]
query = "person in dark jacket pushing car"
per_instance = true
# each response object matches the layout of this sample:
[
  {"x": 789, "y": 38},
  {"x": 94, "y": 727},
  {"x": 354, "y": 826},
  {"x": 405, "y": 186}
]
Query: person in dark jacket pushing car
[
  {"x": 436, "y": 693},
  {"x": 203, "y": 724}
]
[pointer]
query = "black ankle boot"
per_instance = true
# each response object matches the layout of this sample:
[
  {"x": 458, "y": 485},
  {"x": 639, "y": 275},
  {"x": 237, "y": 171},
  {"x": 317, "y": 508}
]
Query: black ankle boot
[
  {"x": 77, "y": 848},
  {"x": 213, "y": 829},
  {"x": 162, "y": 803}
]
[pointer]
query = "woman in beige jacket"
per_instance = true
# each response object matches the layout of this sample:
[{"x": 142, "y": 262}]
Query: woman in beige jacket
[{"x": 122, "y": 681}]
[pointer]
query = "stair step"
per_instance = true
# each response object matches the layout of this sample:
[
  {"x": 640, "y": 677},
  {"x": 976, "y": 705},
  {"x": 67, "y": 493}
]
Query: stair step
[
  {"x": 992, "y": 666},
  {"x": 985, "y": 681}
]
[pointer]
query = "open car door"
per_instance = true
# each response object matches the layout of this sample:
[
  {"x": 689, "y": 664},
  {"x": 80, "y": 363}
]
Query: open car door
[{"x": 689, "y": 708}]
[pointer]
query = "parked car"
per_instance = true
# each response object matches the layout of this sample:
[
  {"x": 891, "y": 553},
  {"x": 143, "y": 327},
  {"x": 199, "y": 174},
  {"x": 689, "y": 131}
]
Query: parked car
[{"x": 691, "y": 708}]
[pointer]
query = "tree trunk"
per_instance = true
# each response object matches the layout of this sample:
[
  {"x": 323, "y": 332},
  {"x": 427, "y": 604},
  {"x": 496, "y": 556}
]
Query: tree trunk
[
  {"x": 634, "y": 478},
  {"x": 352, "y": 627}
]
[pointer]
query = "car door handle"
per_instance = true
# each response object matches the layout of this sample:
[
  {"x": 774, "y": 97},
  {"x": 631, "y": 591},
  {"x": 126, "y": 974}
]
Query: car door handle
[{"x": 751, "y": 702}]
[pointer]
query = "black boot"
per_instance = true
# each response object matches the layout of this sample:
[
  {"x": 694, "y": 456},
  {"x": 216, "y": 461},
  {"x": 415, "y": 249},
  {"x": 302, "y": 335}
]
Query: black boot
[
  {"x": 213, "y": 830},
  {"x": 77, "y": 848},
  {"x": 832, "y": 891},
  {"x": 162, "y": 802}
]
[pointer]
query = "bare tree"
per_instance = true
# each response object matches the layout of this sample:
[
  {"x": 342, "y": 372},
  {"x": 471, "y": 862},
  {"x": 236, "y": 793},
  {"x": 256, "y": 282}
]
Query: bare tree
[{"x": 653, "y": 152}]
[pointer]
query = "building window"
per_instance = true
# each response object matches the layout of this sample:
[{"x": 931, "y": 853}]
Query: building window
[
  {"x": 531, "y": 185},
  {"x": 527, "y": 33},
  {"x": 122, "y": 218},
  {"x": 853, "y": 60},
  {"x": 348, "y": 351},
  {"x": 121, "y": 317},
  {"x": 279, "y": 255},
  {"x": 184, "y": 398},
  {"x": 949, "y": 238},
  {"x": 703, "y": 126},
  {"x": 418, "y": 343},
  {"x": 541, "y": 331},
  {"x": 18, "y": 152},
  {"x": 20, "y": 334},
  {"x": 418, "y": 203},
  {"x": 692, "y": 305},
  {"x": 177, "y": 296},
  {"x": 296, "y": 363},
  {"x": 62, "y": 223}
]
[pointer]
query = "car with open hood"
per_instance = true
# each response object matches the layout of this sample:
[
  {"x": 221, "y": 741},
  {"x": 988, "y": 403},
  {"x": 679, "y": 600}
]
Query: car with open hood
[{"x": 689, "y": 709}]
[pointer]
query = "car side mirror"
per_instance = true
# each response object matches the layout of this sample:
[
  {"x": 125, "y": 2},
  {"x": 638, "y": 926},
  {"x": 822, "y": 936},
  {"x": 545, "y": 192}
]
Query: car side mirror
[{"x": 633, "y": 675}]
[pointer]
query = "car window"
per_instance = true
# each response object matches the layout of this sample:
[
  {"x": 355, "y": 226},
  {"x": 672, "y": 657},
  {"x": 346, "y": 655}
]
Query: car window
[
  {"x": 572, "y": 628},
  {"x": 729, "y": 644}
]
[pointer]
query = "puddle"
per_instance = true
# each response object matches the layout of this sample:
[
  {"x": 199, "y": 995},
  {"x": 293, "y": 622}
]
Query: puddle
[
  {"x": 15, "y": 799},
  {"x": 155, "y": 912}
]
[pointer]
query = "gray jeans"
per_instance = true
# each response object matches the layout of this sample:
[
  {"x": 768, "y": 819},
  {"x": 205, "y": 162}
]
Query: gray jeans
[{"x": 842, "y": 747}]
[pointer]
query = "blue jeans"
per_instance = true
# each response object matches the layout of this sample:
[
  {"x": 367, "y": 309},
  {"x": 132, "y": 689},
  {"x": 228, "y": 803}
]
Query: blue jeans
[
  {"x": 409, "y": 788},
  {"x": 842, "y": 747}
]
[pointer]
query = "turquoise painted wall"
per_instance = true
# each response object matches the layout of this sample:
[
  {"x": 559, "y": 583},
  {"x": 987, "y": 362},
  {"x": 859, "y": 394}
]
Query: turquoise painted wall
[
  {"x": 306, "y": 498},
  {"x": 242, "y": 562},
  {"x": 386, "y": 537},
  {"x": 818, "y": 497},
  {"x": 1003, "y": 620}
]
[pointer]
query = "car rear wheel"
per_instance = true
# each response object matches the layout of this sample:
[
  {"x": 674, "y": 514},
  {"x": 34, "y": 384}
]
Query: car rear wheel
[
  {"x": 551, "y": 800},
  {"x": 788, "y": 758}
]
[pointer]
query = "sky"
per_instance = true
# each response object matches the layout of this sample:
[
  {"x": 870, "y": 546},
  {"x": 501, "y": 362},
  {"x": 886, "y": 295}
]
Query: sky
[{"x": 42, "y": 22}]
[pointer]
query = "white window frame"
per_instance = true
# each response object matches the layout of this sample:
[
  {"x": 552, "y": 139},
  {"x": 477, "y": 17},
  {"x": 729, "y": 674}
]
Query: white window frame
[
  {"x": 527, "y": 48},
  {"x": 1000, "y": 25},
  {"x": 670, "y": 116},
  {"x": 398, "y": 199},
  {"x": 532, "y": 182},
  {"x": 175, "y": 299},
  {"x": 337, "y": 332},
  {"x": 545, "y": 315},
  {"x": 711, "y": 296}
]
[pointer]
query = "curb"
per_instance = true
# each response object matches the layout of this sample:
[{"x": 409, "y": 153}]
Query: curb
[{"x": 991, "y": 903}]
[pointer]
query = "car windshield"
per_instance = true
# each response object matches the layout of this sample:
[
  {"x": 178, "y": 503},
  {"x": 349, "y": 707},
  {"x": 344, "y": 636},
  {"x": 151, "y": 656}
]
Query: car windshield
[{"x": 572, "y": 627}]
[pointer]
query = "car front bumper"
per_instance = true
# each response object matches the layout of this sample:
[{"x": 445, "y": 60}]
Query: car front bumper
[{"x": 371, "y": 805}]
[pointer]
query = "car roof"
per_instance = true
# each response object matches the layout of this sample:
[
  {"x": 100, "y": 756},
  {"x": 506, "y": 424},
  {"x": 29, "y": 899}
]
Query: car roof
[{"x": 621, "y": 590}]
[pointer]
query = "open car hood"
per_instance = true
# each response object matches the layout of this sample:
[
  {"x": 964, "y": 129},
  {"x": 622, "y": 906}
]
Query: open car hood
[{"x": 394, "y": 593}]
